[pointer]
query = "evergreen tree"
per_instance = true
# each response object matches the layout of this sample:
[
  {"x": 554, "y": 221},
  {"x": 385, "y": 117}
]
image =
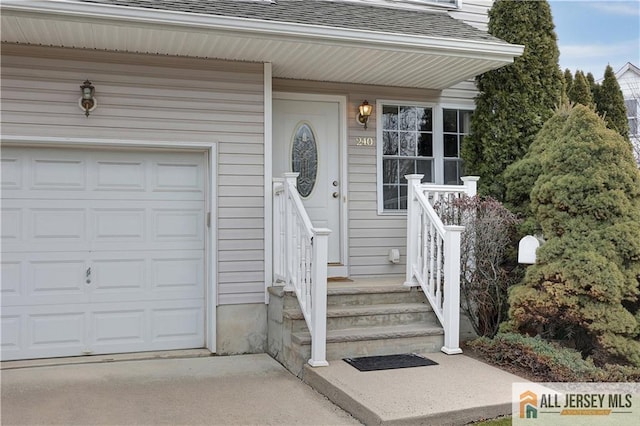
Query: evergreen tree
[
  {"x": 585, "y": 286},
  {"x": 568, "y": 80},
  {"x": 610, "y": 104},
  {"x": 522, "y": 175},
  {"x": 580, "y": 91},
  {"x": 593, "y": 86},
  {"x": 514, "y": 101}
]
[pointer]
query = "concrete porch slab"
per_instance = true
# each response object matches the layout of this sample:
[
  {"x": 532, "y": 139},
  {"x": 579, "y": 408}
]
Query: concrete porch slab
[{"x": 457, "y": 391}]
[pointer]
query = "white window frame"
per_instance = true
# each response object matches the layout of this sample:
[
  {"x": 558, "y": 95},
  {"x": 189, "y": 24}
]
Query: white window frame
[
  {"x": 436, "y": 118},
  {"x": 457, "y": 106},
  {"x": 438, "y": 142},
  {"x": 455, "y": 4}
]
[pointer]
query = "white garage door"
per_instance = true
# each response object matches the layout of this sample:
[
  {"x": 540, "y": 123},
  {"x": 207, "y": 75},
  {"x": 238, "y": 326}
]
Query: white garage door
[{"x": 102, "y": 251}]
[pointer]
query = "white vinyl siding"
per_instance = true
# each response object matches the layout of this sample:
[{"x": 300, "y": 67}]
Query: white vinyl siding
[
  {"x": 155, "y": 98},
  {"x": 474, "y": 13}
]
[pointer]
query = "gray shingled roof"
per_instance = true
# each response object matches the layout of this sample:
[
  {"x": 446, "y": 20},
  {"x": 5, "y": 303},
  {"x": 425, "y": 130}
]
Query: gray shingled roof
[{"x": 324, "y": 13}]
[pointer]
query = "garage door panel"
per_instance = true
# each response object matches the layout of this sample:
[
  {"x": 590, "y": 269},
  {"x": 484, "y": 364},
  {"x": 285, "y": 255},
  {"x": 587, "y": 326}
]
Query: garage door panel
[
  {"x": 95, "y": 225},
  {"x": 118, "y": 327},
  {"x": 10, "y": 278},
  {"x": 174, "y": 324},
  {"x": 60, "y": 328},
  {"x": 45, "y": 331},
  {"x": 11, "y": 224},
  {"x": 118, "y": 175},
  {"x": 119, "y": 224},
  {"x": 149, "y": 326},
  {"x": 178, "y": 275},
  {"x": 43, "y": 279},
  {"x": 102, "y": 251},
  {"x": 178, "y": 224},
  {"x": 103, "y": 195},
  {"x": 57, "y": 278},
  {"x": 86, "y": 174},
  {"x": 182, "y": 176},
  {"x": 118, "y": 276},
  {"x": 12, "y": 330},
  {"x": 12, "y": 171},
  {"x": 58, "y": 174},
  {"x": 58, "y": 223}
]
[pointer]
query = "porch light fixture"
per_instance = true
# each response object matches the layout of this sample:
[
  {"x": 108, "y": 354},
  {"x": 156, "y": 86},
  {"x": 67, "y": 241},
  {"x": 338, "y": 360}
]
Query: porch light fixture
[
  {"x": 364, "y": 112},
  {"x": 88, "y": 101}
]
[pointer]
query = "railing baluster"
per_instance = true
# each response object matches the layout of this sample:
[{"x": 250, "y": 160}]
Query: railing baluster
[{"x": 432, "y": 258}]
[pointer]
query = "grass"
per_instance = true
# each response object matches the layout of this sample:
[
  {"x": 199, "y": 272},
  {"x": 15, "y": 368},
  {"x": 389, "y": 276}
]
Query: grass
[{"x": 502, "y": 421}]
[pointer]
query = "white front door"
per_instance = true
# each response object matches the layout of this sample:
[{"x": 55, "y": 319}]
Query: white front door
[
  {"x": 103, "y": 251},
  {"x": 306, "y": 139}
]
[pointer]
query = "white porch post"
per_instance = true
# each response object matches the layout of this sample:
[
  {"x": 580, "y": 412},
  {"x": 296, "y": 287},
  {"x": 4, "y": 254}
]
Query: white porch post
[
  {"x": 471, "y": 185},
  {"x": 319, "y": 298},
  {"x": 412, "y": 228},
  {"x": 451, "y": 303},
  {"x": 289, "y": 223}
]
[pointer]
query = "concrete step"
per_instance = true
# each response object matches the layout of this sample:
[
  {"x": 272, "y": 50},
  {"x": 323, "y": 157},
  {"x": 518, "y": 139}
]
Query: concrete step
[
  {"x": 374, "y": 341},
  {"x": 363, "y": 294},
  {"x": 354, "y": 316},
  {"x": 372, "y": 333},
  {"x": 372, "y": 317}
]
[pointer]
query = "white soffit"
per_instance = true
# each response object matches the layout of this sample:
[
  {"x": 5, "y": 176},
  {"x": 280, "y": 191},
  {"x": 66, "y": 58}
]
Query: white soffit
[{"x": 297, "y": 51}]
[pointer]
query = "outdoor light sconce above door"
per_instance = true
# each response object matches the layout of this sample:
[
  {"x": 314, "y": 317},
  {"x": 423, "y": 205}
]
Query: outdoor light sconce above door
[
  {"x": 364, "y": 112},
  {"x": 87, "y": 101}
]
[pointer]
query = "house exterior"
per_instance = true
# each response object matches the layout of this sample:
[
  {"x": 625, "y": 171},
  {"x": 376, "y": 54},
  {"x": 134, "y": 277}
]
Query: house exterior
[
  {"x": 629, "y": 79},
  {"x": 143, "y": 220}
]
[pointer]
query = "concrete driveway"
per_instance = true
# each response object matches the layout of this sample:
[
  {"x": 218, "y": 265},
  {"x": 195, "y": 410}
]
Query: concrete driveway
[{"x": 243, "y": 389}]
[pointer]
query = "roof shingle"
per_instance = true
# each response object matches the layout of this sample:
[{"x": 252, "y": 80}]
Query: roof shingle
[{"x": 333, "y": 14}]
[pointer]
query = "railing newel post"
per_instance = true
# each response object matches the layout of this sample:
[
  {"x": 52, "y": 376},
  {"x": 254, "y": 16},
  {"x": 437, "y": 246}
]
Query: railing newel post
[
  {"x": 320, "y": 250},
  {"x": 290, "y": 180},
  {"x": 471, "y": 185},
  {"x": 451, "y": 302},
  {"x": 413, "y": 226}
]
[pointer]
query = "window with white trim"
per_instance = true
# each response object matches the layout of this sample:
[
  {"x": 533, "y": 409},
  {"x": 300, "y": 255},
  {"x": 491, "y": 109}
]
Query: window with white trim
[
  {"x": 455, "y": 126},
  {"x": 418, "y": 138},
  {"x": 407, "y": 148}
]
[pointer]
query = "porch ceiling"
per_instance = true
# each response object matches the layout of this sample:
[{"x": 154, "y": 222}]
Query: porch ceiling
[{"x": 297, "y": 51}]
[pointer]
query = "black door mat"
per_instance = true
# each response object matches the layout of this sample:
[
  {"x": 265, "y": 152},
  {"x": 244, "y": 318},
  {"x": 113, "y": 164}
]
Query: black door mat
[{"x": 389, "y": 362}]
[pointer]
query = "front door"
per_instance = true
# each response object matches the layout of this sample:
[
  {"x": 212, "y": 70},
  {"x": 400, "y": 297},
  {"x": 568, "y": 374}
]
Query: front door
[{"x": 306, "y": 139}]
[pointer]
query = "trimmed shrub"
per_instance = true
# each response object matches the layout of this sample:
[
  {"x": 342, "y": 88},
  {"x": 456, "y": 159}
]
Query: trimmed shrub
[{"x": 584, "y": 288}]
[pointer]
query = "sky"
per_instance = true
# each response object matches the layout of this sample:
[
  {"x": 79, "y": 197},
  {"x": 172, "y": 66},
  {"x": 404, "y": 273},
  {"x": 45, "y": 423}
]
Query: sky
[{"x": 594, "y": 33}]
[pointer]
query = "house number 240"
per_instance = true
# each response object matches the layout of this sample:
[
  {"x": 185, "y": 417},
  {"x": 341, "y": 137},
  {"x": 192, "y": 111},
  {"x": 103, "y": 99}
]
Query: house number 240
[{"x": 360, "y": 141}]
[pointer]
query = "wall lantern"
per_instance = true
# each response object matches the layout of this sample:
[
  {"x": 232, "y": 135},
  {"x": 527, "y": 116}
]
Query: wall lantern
[
  {"x": 87, "y": 102},
  {"x": 364, "y": 112}
]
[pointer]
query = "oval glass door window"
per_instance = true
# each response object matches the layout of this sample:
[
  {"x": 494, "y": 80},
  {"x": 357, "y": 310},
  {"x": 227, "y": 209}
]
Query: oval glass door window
[{"x": 304, "y": 158}]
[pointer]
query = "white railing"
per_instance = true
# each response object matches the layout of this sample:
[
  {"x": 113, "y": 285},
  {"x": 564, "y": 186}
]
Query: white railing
[
  {"x": 300, "y": 261},
  {"x": 433, "y": 252}
]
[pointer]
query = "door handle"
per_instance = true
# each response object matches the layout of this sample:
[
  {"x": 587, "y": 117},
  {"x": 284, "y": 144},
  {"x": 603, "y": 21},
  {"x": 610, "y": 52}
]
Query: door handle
[
  {"x": 335, "y": 195},
  {"x": 88, "y": 274}
]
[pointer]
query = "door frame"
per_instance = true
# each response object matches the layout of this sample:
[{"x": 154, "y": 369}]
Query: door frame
[
  {"x": 210, "y": 150},
  {"x": 341, "y": 270}
]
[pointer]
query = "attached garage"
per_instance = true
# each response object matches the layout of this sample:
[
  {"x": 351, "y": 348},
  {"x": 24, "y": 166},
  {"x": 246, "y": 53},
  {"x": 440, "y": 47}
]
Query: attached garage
[{"x": 103, "y": 250}]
